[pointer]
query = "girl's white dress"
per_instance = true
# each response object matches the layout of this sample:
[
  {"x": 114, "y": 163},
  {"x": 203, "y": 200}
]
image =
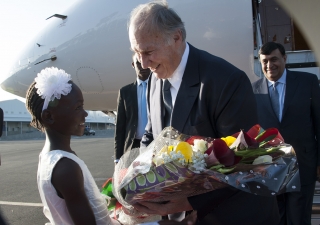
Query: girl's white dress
[{"x": 55, "y": 208}]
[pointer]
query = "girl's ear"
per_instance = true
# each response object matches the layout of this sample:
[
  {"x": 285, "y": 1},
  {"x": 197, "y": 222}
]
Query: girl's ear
[{"x": 47, "y": 117}]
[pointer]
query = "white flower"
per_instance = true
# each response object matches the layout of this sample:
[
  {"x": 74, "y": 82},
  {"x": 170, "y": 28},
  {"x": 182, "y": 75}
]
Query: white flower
[
  {"x": 51, "y": 83},
  {"x": 262, "y": 159},
  {"x": 166, "y": 158},
  {"x": 200, "y": 145},
  {"x": 198, "y": 163},
  {"x": 158, "y": 160}
]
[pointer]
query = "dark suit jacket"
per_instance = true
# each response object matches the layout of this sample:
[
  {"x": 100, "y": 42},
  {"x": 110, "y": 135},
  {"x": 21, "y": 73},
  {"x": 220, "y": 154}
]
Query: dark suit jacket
[
  {"x": 300, "y": 124},
  {"x": 215, "y": 99},
  {"x": 127, "y": 119}
]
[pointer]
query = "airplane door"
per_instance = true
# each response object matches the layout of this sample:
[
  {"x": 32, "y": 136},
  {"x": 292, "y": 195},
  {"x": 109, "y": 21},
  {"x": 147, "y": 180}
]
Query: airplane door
[{"x": 276, "y": 24}]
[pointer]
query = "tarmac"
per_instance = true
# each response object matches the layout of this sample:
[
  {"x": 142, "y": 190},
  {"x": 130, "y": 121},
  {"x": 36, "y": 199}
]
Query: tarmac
[
  {"x": 40, "y": 135},
  {"x": 20, "y": 202}
]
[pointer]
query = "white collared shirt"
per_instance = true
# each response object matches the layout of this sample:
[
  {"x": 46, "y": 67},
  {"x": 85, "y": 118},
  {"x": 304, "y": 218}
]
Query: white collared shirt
[
  {"x": 177, "y": 75},
  {"x": 281, "y": 88}
]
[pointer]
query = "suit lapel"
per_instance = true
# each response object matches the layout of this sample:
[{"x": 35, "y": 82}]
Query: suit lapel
[
  {"x": 134, "y": 98},
  {"x": 188, "y": 91},
  {"x": 263, "y": 87},
  {"x": 291, "y": 86}
]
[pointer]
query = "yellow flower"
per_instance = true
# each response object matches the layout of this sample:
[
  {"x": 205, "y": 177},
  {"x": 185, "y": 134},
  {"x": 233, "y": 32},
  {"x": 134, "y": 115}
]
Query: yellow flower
[
  {"x": 185, "y": 149},
  {"x": 165, "y": 149},
  {"x": 229, "y": 140}
]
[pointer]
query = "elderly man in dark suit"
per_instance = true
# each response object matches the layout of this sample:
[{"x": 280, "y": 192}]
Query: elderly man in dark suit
[
  {"x": 131, "y": 112},
  {"x": 290, "y": 101},
  {"x": 198, "y": 94}
]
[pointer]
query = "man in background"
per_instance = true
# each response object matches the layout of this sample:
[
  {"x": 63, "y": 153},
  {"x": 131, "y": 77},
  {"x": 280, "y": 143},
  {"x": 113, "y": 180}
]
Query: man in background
[
  {"x": 197, "y": 94},
  {"x": 290, "y": 102},
  {"x": 2, "y": 222},
  {"x": 131, "y": 112}
]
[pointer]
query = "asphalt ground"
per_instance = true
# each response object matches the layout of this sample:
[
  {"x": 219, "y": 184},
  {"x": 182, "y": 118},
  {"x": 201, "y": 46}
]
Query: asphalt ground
[{"x": 20, "y": 202}]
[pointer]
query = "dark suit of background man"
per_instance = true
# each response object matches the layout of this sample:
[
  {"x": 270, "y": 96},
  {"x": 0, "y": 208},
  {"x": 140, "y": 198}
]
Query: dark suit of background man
[
  {"x": 1, "y": 124},
  {"x": 296, "y": 113},
  {"x": 131, "y": 112},
  {"x": 209, "y": 97}
]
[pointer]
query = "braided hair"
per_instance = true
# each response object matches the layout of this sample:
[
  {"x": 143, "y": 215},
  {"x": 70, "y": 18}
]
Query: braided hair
[{"x": 34, "y": 104}]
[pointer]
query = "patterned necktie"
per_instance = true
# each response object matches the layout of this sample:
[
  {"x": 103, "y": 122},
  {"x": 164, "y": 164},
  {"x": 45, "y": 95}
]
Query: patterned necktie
[
  {"x": 275, "y": 99},
  {"x": 144, "y": 116},
  {"x": 167, "y": 100}
]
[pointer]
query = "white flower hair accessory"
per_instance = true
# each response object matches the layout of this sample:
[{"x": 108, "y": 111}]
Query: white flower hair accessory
[{"x": 52, "y": 83}]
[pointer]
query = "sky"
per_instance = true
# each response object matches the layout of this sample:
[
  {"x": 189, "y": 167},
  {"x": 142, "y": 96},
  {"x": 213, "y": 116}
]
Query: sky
[{"x": 20, "y": 22}]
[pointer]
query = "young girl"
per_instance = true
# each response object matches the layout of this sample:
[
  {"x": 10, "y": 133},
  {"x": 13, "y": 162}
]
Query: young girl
[{"x": 67, "y": 189}]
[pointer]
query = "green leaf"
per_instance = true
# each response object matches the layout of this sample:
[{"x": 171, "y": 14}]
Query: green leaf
[
  {"x": 216, "y": 167},
  {"x": 267, "y": 135},
  {"x": 225, "y": 170}
]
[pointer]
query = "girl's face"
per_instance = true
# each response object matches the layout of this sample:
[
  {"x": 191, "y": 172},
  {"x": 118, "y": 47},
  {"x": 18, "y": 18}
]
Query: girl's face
[{"x": 69, "y": 115}]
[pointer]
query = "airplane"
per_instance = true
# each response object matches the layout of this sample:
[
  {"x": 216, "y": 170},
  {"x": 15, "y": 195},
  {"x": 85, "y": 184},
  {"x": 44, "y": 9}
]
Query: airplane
[{"x": 90, "y": 42}]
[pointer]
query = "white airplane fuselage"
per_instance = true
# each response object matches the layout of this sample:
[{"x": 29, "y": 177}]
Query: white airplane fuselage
[{"x": 92, "y": 44}]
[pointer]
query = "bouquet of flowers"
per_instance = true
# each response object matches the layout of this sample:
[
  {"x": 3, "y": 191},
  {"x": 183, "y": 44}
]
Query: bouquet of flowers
[{"x": 176, "y": 165}]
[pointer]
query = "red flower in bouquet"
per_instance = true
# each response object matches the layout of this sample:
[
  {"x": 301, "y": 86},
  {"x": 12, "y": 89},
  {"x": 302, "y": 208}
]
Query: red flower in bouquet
[
  {"x": 220, "y": 153},
  {"x": 243, "y": 147}
]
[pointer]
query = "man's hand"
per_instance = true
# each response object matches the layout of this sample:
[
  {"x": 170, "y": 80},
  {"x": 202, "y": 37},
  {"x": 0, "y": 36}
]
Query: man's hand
[
  {"x": 189, "y": 220},
  {"x": 174, "y": 206}
]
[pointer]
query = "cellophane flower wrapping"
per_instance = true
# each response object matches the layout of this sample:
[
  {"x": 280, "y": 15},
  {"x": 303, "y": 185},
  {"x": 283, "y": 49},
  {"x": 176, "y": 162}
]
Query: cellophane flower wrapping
[{"x": 141, "y": 176}]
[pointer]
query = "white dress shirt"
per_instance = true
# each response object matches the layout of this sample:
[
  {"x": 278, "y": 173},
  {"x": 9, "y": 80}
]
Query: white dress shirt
[{"x": 177, "y": 75}]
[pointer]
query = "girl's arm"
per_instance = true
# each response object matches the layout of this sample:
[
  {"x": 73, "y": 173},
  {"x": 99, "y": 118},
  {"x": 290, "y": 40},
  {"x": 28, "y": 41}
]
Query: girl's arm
[{"x": 67, "y": 179}]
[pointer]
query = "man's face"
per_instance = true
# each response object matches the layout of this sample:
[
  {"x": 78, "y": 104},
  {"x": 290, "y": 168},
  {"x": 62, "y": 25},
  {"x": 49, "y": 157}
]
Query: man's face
[
  {"x": 143, "y": 74},
  {"x": 155, "y": 53},
  {"x": 273, "y": 65}
]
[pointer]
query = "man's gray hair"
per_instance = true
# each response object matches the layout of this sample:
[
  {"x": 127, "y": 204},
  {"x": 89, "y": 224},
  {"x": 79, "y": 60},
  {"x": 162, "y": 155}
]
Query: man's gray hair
[{"x": 157, "y": 18}]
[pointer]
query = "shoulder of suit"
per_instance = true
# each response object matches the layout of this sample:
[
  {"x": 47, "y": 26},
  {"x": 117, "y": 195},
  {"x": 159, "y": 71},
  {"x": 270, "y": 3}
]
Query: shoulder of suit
[
  {"x": 214, "y": 64},
  {"x": 257, "y": 82},
  {"x": 205, "y": 56},
  {"x": 126, "y": 87},
  {"x": 300, "y": 74}
]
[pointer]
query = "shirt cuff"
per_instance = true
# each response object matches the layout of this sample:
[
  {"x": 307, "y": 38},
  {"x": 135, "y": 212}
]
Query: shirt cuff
[{"x": 116, "y": 160}]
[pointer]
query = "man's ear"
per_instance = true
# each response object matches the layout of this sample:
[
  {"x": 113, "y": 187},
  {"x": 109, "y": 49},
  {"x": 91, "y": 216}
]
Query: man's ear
[
  {"x": 285, "y": 58},
  {"x": 177, "y": 36},
  {"x": 46, "y": 117}
]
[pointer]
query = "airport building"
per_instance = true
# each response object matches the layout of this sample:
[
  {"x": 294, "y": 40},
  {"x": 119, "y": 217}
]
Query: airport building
[{"x": 16, "y": 119}]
